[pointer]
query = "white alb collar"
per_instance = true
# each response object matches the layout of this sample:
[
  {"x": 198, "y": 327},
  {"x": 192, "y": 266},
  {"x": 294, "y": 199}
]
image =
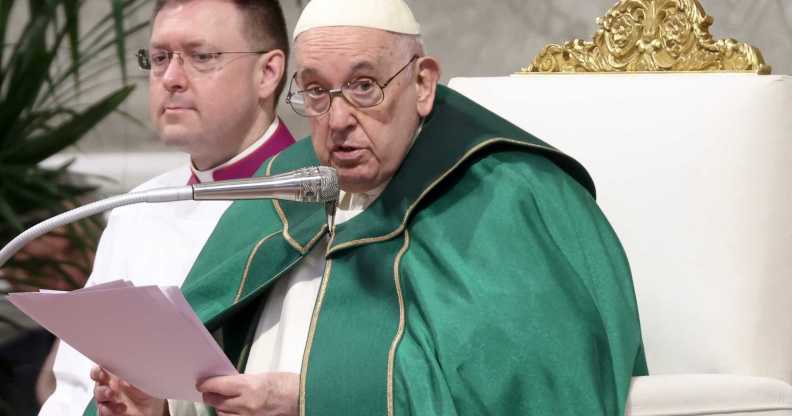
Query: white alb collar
[
  {"x": 352, "y": 204},
  {"x": 205, "y": 176}
]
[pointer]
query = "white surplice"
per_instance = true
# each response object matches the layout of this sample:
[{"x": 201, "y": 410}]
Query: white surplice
[{"x": 148, "y": 244}]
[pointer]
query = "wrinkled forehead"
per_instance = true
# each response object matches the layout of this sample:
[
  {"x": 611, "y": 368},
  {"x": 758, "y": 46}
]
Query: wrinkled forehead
[{"x": 343, "y": 50}]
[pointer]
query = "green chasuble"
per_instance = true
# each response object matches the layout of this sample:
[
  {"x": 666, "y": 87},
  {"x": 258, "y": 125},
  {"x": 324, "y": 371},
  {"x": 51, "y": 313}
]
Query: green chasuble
[{"x": 483, "y": 281}]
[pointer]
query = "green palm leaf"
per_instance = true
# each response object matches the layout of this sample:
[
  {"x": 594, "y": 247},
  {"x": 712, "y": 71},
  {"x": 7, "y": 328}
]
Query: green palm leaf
[
  {"x": 37, "y": 148},
  {"x": 118, "y": 14},
  {"x": 46, "y": 72}
]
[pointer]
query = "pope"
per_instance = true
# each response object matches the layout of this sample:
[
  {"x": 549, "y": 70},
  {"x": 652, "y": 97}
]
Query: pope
[{"x": 470, "y": 271}]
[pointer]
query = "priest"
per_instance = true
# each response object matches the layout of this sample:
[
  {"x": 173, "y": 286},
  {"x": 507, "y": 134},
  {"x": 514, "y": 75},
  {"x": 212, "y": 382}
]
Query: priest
[
  {"x": 219, "y": 109},
  {"x": 469, "y": 270}
]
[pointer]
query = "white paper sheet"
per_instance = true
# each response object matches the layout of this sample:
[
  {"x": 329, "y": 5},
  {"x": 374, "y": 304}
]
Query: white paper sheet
[{"x": 148, "y": 336}]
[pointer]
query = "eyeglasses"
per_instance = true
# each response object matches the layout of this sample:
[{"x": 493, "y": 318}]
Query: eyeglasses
[
  {"x": 360, "y": 93},
  {"x": 158, "y": 61}
]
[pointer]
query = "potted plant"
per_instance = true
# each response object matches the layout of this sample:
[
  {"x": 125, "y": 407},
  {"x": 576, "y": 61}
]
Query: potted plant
[{"x": 50, "y": 97}]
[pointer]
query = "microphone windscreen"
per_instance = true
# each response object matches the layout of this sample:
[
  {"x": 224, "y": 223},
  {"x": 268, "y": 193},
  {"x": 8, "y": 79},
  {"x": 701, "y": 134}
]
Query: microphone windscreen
[{"x": 330, "y": 189}]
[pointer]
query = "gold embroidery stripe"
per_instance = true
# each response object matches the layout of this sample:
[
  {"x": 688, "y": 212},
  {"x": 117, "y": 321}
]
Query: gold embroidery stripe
[
  {"x": 311, "y": 333},
  {"x": 247, "y": 265},
  {"x": 281, "y": 214},
  {"x": 286, "y": 235},
  {"x": 242, "y": 357},
  {"x": 432, "y": 186},
  {"x": 285, "y": 221},
  {"x": 400, "y": 331},
  {"x": 316, "y": 238},
  {"x": 268, "y": 172}
]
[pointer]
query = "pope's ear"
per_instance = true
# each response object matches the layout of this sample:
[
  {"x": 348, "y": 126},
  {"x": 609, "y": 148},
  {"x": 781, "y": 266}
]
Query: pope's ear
[{"x": 426, "y": 82}]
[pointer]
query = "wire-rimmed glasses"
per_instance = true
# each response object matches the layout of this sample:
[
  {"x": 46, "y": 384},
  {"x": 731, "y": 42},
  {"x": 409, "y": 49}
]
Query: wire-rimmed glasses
[
  {"x": 158, "y": 60},
  {"x": 360, "y": 93}
]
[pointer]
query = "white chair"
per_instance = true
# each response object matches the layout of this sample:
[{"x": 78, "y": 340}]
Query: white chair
[{"x": 694, "y": 171}]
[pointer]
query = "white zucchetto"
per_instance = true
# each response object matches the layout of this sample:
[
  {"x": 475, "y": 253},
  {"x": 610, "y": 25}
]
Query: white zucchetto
[{"x": 390, "y": 15}]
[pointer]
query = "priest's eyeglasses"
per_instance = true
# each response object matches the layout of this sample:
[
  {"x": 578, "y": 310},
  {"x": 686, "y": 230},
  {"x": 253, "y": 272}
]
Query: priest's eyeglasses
[
  {"x": 359, "y": 93},
  {"x": 157, "y": 61}
]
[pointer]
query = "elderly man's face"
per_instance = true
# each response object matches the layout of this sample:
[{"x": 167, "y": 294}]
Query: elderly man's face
[
  {"x": 205, "y": 114},
  {"x": 366, "y": 146}
]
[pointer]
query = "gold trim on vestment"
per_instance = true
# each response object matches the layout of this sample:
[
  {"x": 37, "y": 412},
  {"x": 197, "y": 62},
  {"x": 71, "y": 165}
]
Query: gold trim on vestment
[
  {"x": 409, "y": 211},
  {"x": 281, "y": 214},
  {"x": 314, "y": 240},
  {"x": 242, "y": 356},
  {"x": 292, "y": 242},
  {"x": 312, "y": 332},
  {"x": 400, "y": 330},
  {"x": 654, "y": 36},
  {"x": 247, "y": 265}
]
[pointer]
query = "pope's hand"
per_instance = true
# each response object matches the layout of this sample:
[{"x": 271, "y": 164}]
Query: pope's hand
[
  {"x": 116, "y": 397},
  {"x": 267, "y": 394}
]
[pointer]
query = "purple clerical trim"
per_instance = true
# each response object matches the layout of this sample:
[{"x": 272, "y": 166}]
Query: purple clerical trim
[{"x": 247, "y": 166}]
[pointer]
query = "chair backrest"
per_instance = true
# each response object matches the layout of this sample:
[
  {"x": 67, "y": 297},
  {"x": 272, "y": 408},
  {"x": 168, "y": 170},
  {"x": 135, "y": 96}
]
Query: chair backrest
[
  {"x": 694, "y": 171},
  {"x": 692, "y": 168}
]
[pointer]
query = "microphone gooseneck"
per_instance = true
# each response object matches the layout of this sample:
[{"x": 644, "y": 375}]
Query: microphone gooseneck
[
  {"x": 315, "y": 184},
  {"x": 180, "y": 193}
]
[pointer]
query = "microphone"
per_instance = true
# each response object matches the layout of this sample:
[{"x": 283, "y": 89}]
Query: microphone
[{"x": 313, "y": 184}]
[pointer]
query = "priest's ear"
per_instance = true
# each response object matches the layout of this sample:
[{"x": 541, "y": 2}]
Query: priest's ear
[
  {"x": 428, "y": 74},
  {"x": 270, "y": 70}
]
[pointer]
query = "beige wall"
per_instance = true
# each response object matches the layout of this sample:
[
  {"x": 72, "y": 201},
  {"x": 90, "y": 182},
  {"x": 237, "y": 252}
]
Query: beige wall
[{"x": 496, "y": 37}]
